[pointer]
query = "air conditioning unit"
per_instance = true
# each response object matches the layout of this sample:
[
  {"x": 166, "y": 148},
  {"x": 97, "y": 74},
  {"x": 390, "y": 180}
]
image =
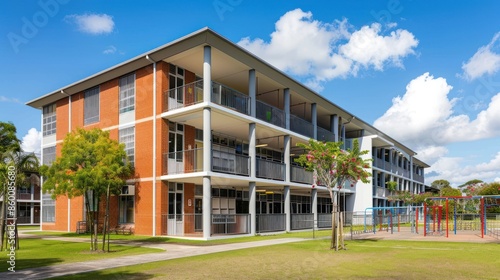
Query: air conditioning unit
[{"x": 128, "y": 190}]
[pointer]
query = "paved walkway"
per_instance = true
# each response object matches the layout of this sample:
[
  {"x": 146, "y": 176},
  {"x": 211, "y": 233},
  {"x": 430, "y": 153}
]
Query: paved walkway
[{"x": 173, "y": 251}]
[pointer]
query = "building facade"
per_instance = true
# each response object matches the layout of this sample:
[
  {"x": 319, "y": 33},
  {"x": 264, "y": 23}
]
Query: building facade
[{"x": 212, "y": 132}]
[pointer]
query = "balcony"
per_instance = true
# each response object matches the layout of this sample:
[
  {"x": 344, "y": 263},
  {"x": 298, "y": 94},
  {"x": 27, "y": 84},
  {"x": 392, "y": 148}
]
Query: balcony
[
  {"x": 231, "y": 163},
  {"x": 325, "y": 135},
  {"x": 184, "y": 96},
  {"x": 269, "y": 169},
  {"x": 270, "y": 114},
  {"x": 299, "y": 174},
  {"x": 183, "y": 162},
  {"x": 230, "y": 98},
  {"x": 301, "y": 126}
]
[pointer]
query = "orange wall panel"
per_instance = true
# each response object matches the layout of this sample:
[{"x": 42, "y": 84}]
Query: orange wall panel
[
  {"x": 144, "y": 208},
  {"x": 62, "y": 118},
  {"x": 144, "y": 92}
]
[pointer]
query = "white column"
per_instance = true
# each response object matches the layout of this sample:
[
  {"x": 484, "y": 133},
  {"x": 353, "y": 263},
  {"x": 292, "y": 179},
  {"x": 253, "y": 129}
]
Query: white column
[
  {"x": 252, "y": 92},
  {"x": 286, "y": 193},
  {"x": 314, "y": 198},
  {"x": 251, "y": 207},
  {"x": 251, "y": 149},
  {"x": 286, "y": 107},
  {"x": 286, "y": 155},
  {"x": 207, "y": 73},
  {"x": 314, "y": 120},
  {"x": 207, "y": 207},
  {"x": 334, "y": 126}
]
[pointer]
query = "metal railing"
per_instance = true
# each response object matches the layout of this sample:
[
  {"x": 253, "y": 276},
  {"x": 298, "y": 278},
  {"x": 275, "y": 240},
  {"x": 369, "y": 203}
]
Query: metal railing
[
  {"x": 301, "y": 221},
  {"x": 183, "y": 96},
  {"x": 230, "y": 98},
  {"x": 230, "y": 223},
  {"x": 301, "y": 126},
  {"x": 299, "y": 174},
  {"x": 270, "y": 114},
  {"x": 269, "y": 169},
  {"x": 324, "y": 220},
  {"x": 182, "y": 224},
  {"x": 270, "y": 222},
  {"x": 230, "y": 163},
  {"x": 325, "y": 135},
  {"x": 187, "y": 161}
]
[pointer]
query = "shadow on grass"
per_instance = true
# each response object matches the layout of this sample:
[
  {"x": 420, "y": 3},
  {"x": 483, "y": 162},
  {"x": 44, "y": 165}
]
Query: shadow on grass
[
  {"x": 108, "y": 275},
  {"x": 30, "y": 263}
]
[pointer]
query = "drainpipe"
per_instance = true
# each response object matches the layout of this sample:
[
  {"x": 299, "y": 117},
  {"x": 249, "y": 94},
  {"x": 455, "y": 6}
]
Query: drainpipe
[
  {"x": 154, "y": 143},
  {"x": 69, "y": 131},
  {"x": 343, "y": 131}
]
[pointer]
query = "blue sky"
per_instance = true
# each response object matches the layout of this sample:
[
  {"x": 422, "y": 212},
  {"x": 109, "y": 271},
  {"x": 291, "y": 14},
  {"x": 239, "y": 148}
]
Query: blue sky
[{"x": 424, "y": 72}]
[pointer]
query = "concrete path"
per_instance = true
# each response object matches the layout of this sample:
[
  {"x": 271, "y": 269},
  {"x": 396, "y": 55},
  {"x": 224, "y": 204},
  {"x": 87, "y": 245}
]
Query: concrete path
[{"x": 172, "y": 252}]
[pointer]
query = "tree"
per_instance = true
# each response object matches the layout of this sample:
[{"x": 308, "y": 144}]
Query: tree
[
  {"x": 491, "y": 189},
  {"x": 14, "y": 164},
  {"x": 440, "y": 184},
  {"x": 91, "y": 165},
  {"x": 333, "y": 167}
]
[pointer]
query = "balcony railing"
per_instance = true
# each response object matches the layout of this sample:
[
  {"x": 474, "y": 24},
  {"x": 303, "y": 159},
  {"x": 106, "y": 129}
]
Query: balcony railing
[
  {"x": 325, "y": 135},
  {"x": 269, "y": 169},
  {"x": 230, "y": 223},
  {"x": 301, "y": 126},
  {"x": 270, "y": 222},
  {"x": 183, "y": 96},
  {"x": 187, "y": 161},
  {"x": 299, "y": 174},
  {"x": 270, "y": 114},
  {"x": 230, "y": 163},
  {"x": 302, "y": 221},
  {"x": 230, "y": 98},
  {"x": 182, "y": 224}
]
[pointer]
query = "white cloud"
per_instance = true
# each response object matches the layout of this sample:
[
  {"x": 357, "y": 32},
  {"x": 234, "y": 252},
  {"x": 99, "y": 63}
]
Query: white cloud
[
  {"x": 424, "y": 117},
  {"x": 32, "y": 141},
  {"x": 484, "y": 61},
  {"x": 94, "y": 24},
  {"x": 9, "y": 99},
  {"x": 324, "y": 51},
  {"x": 109, "y": 50},
  {"x": 452, "y": 169}
]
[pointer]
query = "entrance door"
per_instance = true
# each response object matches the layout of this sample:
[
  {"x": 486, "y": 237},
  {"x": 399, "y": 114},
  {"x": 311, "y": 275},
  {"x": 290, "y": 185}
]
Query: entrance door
[
  {"x": 176, "y": 87},
  {"x": 175, "y": 205},
  {"x": 198, "y": 215}
]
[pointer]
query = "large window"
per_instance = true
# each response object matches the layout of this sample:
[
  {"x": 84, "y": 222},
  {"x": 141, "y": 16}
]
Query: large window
[
  {"x": 48, "y": 209},
  {"x": 127, "y": 93},
  {"x": 127, "y": 137},
  {"x": 49, "y": 155},
  {"x": 175, "y": 141},
  {"x": 127, "y": 206},
  {"x": 49, "y": 119},
  {"x": 91, "y": 106}
]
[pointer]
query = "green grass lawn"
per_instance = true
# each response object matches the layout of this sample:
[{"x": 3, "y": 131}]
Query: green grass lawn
[
  {"x": 364, "y": 259},
  {"x": 38, "y": 252}
]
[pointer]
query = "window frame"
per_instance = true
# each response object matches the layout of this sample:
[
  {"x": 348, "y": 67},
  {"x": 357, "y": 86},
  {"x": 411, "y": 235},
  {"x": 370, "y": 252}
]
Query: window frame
[
  {"x": 126, "y": 86},
  {"x": 89, "y": 116}
]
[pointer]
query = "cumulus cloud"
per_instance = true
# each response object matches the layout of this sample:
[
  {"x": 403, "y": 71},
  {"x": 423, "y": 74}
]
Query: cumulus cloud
[
  {"x": 324, "y": 51},
  {"x": 484, "y": 61},
  {"x": 424, "y": 117},
  {"x": 94, "y": 24},
  {"x": 452, "y": 169},
  {"x": 32, "y": 141}
]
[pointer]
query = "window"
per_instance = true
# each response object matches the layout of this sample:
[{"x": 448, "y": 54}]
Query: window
[
  {"x": 127, "y": 209},
  {"x": 127, "y": 137},
  {"x": 175, "y": 141},
  {"x": 49, "y": 155},
  {"x": 48, "y": 209},
  {"x": 49, "y": 119},
  {"x": 127, "y": 93},
  {"x": 91, "y": 106}
]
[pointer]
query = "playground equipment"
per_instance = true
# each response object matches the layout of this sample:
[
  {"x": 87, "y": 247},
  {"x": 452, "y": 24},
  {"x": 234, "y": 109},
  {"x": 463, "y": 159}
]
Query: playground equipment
[
  {"x": 469, "y": 221},
  {"x": 385, "y": 218}
]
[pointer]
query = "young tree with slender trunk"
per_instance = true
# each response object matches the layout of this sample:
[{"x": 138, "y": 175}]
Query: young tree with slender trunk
[
  {"x": 333, "y": 167},
  {"x": 91, "y": 165}
]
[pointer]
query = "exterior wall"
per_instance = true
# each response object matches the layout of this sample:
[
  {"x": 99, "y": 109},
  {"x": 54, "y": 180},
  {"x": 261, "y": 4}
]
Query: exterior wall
[
  {"x": 189, "y": 208},
  {"x": 144, "y": 208},
  {"x": 363, "y": 197}
]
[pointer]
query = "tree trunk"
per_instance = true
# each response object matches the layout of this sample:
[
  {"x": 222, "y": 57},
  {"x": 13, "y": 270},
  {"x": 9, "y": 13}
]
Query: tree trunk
[
  {"x": 96, "y": 222},
  {"x": 90, "y": 219},
  {"x": 2, "y": 223},
  {"x": 105, "y": 227},
  {"x": 337, "y": 225}
]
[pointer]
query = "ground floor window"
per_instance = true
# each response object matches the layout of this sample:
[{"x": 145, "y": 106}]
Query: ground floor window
[
  {"x": 127, "y": 209},
  {"x": 48, "y": 209},
  {"x": 324, "y": 205},
  {"x": 300, "y": 204}
]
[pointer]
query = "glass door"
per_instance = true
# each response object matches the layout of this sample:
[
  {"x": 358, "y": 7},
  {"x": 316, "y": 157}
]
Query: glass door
[
  {"x": 175, "y": 224},
  {"x": 176, "y": 87}
]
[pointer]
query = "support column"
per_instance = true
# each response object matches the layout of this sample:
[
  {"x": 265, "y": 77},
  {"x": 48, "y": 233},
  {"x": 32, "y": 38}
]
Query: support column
[
  {"x": 207, "y": 73},
  {"x": 251, "y": 149},
  {"x": 314, "y": 120},
  {"x": 207, "y": 139},
  {"x": 314, "y": 198},
  {"x": 334, "y": 126},
  {"x": 286, "y": 107},
  {"x": 252, "y": 92},
  {"x": 286, "y": 144},
  {"x": 207, "y": 207},
  {"x": 251, "y": 207},
  {"x": 288, "y": 217}
]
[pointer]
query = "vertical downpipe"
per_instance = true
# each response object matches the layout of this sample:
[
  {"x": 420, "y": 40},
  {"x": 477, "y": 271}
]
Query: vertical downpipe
[{"x": 154, "y": 143}]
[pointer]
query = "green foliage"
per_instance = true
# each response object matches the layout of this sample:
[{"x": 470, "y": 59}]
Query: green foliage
[
  {"x": 8, "y": 139},
  {"x": 440, "y": 184},
  {"x": 392, "y": 185},
  {"x": 449, "y": 191},
  {"x": 89, "y": 161},
  {"x": 490, "y": 189}
]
